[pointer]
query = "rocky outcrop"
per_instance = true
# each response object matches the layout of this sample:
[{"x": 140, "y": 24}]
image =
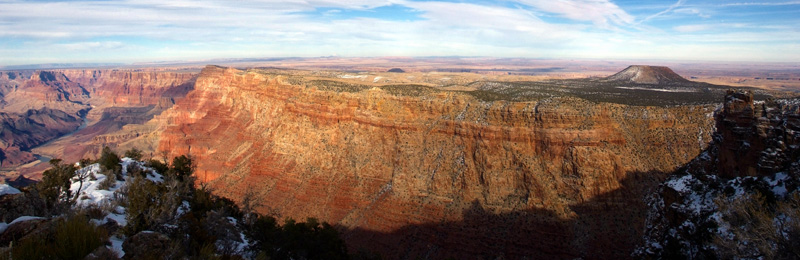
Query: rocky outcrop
[
  {"x": 388, "y": 167},
  {"x": 147, "y": 244},
  {"x": 739, "y": 198},
  {"x": 642, "y": 74},
  {"x": 756, "y": 138}
]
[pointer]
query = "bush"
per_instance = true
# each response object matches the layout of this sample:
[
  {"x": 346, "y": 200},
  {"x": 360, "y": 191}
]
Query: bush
[
  {"x": 293, "y": 240},
  {"x": 73, "y": 238},
  {"x": 108, "y": 183},
  {"x": 109, "y": 161},
  {"x": 157, "y": 165},
  {"x": 54, "y": 187},
  {"x": 134, "y": 169},
  {"x": 760, "y": 229},
  {"x": 148, "y": 205},
  {"x": 134, "y": 153},
  {"x": 181, "y": 167},
  {"x": 86, "y": 162}
]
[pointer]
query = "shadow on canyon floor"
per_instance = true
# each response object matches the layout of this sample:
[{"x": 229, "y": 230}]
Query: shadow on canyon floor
[{"x": 607, "y": 226}]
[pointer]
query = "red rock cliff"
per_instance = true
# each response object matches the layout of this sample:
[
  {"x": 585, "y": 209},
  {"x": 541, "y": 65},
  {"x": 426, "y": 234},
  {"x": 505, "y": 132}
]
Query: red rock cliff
[
  {"x": 437, "y": 175},
  {"x": 132, "y": 88}
]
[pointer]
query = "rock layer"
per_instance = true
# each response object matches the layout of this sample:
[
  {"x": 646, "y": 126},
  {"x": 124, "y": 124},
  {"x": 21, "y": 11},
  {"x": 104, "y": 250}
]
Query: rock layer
[
  {"x": 40, "y": 106},
  {"x": 421, "y": 176},
  {"x": 756, "y": 138}
]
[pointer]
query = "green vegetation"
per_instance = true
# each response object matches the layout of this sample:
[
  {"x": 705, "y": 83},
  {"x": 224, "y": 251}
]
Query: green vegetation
[
  {"x": 70, "y": 238},
  {"x": 54, "y": 187},
  {"x": 134, "y": 153},
  {"x": 408, "y": 90},
  {"x": 295, "y": 240},
  {"x": 761, "y": 228},
  {"x": 109, "y": 163},
  {"x": 182, "y": 221},
  {"x": 337, "y": 86}
]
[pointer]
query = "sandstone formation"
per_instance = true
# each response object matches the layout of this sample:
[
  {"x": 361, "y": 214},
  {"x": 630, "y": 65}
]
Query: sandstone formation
[
  {"x": 435, "y": 173},
  {"x": 40, "y": 106},
  {"x": 756, "y": 138},
  {"x": 36, "y": 110},
  {"x": 753, "y": 155}
]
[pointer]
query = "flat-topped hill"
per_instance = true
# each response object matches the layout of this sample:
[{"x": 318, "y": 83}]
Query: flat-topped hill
[{"x": 643, "y": 74}]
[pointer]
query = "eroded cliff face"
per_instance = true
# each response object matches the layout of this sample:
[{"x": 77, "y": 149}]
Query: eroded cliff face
[
  {"x": 698, "y": 212},
  {"x": 435, "y": 175},
  {"x": 124, "y": 101},
  {"x": 133, "y": 88},
  {"x": 108, "y": 106},
  {"x": 754, "y": 136}
]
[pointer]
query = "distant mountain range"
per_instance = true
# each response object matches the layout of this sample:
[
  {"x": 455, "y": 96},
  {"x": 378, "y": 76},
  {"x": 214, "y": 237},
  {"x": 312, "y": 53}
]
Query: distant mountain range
[{"x": 58, "y": 66}]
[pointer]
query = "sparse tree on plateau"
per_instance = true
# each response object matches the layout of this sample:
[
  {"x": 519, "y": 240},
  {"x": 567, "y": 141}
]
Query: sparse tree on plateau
[
  {"x": 134, "y": 153},
  {"x": 54, "y": 187},
  {"x": 182, "y": 167},
  {"x": 109, "y": 163}
]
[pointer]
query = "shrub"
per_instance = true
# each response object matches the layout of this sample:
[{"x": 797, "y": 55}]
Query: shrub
[
  {"x": 134, "y": 169},
  {"x": 157, "y": 165},
  {"x": 181, "y": 167},
  {"x": 134, "y": 153},
  {"x": 293, "y": 240},
  {"x": 109, "y": 161},
  {"x": 54, "y": 187},
  {"x": 760, "y": 229},
  {"x": 73, "y": 238},
  {"x": 108, "y": 183},
  {"x": 86, "y": 162},
  {"x": 148, "y": 205}
]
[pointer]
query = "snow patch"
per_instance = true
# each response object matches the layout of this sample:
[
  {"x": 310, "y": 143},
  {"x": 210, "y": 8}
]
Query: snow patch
[
  {"x": 660, "y": 89},
  {"x": 5, "y": 189},
  {"x": 348, "y": 76},
  {"x": 680, "y": 185}
]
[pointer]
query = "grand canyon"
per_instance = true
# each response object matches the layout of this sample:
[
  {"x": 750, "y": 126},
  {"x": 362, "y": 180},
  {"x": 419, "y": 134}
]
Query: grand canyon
[{"x": 419, "y": 162}]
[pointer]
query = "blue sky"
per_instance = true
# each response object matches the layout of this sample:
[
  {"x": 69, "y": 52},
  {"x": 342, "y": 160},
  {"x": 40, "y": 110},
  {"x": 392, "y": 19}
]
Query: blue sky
[{"x": 44, "y": 31}]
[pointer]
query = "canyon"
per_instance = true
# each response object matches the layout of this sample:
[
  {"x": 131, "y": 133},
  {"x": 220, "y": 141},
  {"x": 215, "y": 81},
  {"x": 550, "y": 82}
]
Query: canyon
[
  {"x": 406, "y": 165},
  {"x": 40, "y": 106},
  {"x": 420, "y": 171}
]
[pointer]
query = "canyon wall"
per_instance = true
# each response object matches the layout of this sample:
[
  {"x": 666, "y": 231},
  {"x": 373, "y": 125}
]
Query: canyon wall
[
  {"x": 438, "y": 174},
  {"x": 40, "y": 106},
  {"x": 133, "y": 87}
]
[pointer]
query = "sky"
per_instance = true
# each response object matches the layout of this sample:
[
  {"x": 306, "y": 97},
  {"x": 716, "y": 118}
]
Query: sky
[{"x": 129, "y": 31}]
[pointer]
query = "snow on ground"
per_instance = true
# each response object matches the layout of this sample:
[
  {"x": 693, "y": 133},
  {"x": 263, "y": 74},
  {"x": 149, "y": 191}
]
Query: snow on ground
[
  {"x": 92, "y": 195},
  {"x": 5, "y": 189},
  {"x": 377, "y": 78},
  {"x": 778, "y": 184},
  {"x": 116, "y": 245},
  {"x": 90, "y": 192},
  {"x": 4, "y": 226},
  {"x": 660, "y": 89},
  {"x": 681, "y": 184},
  {"x": 348, "y": 76}
]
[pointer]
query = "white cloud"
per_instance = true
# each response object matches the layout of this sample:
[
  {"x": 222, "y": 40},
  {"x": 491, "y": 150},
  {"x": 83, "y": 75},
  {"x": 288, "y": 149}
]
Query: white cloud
[
  {"x": 692, "y": 11},
  {"x": 83, "y": 46},
  {"x": 669, "y": 9},
  {"x": 187, "y": 29},
  {"x": 762, "y": 3},
  {"x": 601, "y": 12},
  {"x": 692, "y": 28}
]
